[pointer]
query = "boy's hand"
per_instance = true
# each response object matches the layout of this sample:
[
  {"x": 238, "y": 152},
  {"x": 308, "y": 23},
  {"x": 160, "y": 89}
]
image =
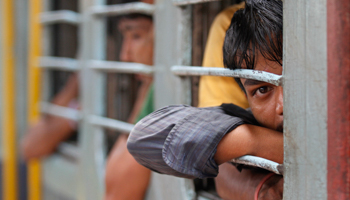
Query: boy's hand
[
  {"x": 272, "y": 189},
  {"x": 232, "y": 184}
]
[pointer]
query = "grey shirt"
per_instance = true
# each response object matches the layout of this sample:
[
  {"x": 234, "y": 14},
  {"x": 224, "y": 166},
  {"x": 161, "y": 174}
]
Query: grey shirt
[{"x": 182, "y": 140}]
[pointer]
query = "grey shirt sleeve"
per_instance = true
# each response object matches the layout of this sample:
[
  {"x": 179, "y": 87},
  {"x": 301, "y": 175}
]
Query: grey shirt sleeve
[{"x": 181, "y": 140}]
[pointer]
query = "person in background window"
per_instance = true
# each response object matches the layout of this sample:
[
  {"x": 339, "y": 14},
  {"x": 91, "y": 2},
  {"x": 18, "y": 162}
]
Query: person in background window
[
  {"x": 192, "y": 142},
  {"x": 125, "y": 178}
]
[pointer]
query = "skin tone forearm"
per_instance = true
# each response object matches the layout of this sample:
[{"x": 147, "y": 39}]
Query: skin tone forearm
[
  {"x": 125, "y": 178},
  {"x": 250, "y": 140},
  {"x": 43, "y": 138},
  {"x": 68, "y": 93}
]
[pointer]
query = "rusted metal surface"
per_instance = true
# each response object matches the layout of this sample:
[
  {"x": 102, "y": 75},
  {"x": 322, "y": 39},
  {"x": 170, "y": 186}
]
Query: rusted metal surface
[
  {"x": 338, "y": 55},
  {"x": 110, "y": 123},
  {"x": 259, "y": 162},
  {"x": 60, "y": 111},
  {"x": 122, "y": 9},
  {"x": 120, "y": 67},
  {"x": 65, "y": 64},
  {"x": 239, "y": 73},
  {"x": 189, "y": 2},
  {"x": 60, "y": 16},
  {"x": 305, "y": 99}
]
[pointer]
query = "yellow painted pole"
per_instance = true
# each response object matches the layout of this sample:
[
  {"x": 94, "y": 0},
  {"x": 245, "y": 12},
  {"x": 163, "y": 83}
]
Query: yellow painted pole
[
  {"x": 8, "y": 84},
  {"x": 34, "y": 51}
]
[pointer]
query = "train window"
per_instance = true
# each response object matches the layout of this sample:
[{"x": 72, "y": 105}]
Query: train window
[{"x": 82, "y": 37}]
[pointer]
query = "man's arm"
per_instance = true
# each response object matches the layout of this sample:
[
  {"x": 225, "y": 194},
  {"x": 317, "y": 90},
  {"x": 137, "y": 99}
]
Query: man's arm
[{"x": 43, "y": 138}]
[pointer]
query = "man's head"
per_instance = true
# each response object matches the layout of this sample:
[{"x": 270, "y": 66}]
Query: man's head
[
  {"x": 137, "y": 43},
  {"x": 254, "y": 41}
]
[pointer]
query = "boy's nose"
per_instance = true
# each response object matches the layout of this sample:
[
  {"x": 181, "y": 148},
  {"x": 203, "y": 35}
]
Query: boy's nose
[
  {"x": 279, "y": 101},
  {"x": 125, "y": 53}
]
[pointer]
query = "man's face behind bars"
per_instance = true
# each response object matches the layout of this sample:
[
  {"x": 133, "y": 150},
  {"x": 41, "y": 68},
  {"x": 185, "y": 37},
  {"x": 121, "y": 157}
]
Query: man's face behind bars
[
  {"x": 137, "y": 40},
  {"x": 265, "y": 99}
]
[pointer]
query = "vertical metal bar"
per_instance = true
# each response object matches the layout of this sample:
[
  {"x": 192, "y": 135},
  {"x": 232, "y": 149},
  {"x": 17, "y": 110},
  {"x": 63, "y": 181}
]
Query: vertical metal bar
[
  {"x": 92, "y": 41},
  {"x": 21, "y": 12},
  {"x": 305, "y": 99},
  {"x": 172, "y": 47},
  {"x": 21, "y": 65},
  {"x": 34, "y": 51},
  {"x": 170, "y": 52},
  {"x": 9, "y": 118},
  {"x": 46, "y": 45},
  {"x": 338, "y": 37},
  {"x": 185, "y": 48}
]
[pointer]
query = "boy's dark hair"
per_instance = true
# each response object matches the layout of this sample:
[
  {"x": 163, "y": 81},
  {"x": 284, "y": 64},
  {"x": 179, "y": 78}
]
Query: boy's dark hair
[
  {"x": 256, "y": 29},
  {"x": 112, "y": 21}
]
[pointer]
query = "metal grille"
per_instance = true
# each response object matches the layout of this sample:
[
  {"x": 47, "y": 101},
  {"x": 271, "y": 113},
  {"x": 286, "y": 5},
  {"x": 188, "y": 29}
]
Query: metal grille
[{"x": 92, "y": 66}]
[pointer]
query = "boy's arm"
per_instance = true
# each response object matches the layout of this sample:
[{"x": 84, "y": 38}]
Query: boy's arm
[
  {"x": 190, "y": 142},
  {"x": 252, "y": 140},
  {"x": 43, "y": 137}
]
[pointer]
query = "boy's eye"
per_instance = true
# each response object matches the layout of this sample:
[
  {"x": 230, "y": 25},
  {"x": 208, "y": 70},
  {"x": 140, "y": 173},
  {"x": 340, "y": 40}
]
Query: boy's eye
[
  {"x": 261, "y": 91},
  {"x": 136, "y": 36},
  {"x": 264, "y": 89}
]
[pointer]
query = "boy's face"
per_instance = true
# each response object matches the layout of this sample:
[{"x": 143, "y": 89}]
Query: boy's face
[
  {"x": 137, "y": 40},
  {"x": 265, "y": 99}
]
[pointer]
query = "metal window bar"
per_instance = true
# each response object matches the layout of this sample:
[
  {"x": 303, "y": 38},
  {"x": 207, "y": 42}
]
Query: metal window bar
[
  {"x": 60, "y": 63},
  {"x": 111, "y": 123},
  {"x": 203, "y": 195},
  {"x": 60, "y": 16},
  {"x": 60, "y": 111},
  {"x": 121, "y": 9},
  {"x": 239, "y": 73},
  {"x": 190, "y": 2},
  {"x": 69, "y": 154},
  {"x": 92, "y": 40},
  {"x": 259, "y": 162},
  {"x": 69, "y": 150},
  {"x": 120, "y": 67},
  {"x": 172, "y": 47}
]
